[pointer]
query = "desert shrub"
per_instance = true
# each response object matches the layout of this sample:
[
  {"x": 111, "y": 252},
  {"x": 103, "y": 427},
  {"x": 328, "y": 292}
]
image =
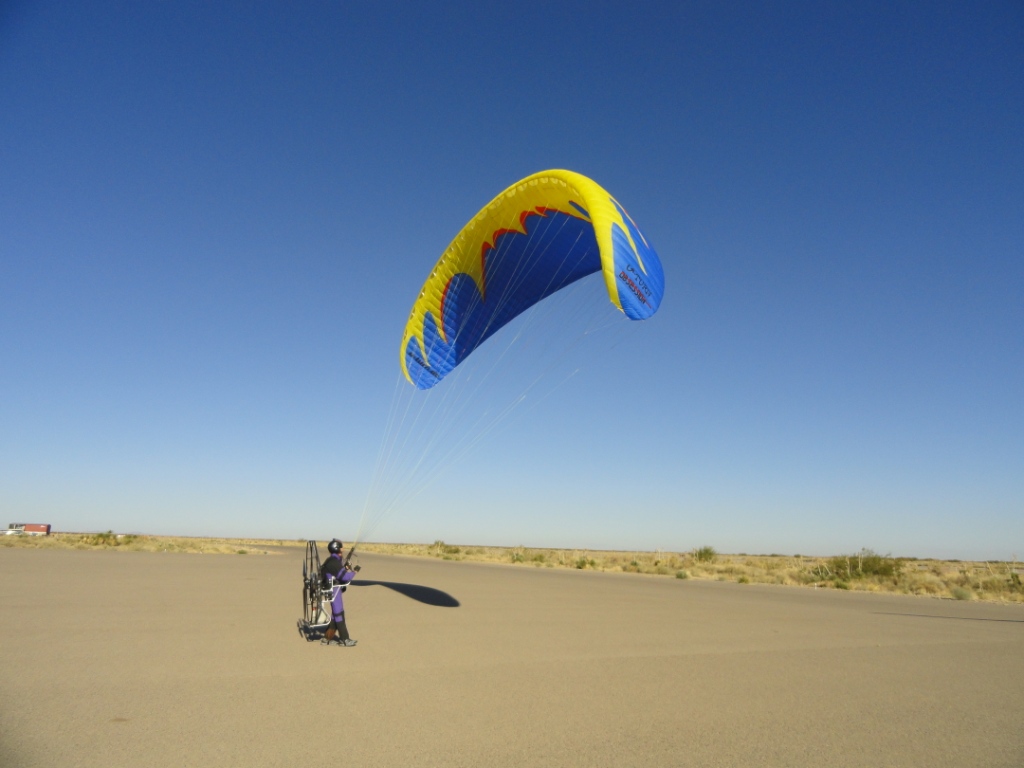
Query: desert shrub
[
  {"x": 705, "y": 554},
  {"x": 995, "y": 584},
  {"x": 840, "y": 565},
  {"x": 105, "y": 539},
  {"x": 960, "y": 593},
  {"x": 540, "y": 557},
  {"x": 865, "y": 563},
  {"x": 963, "y": 577},
  {"x": 584, "y": 562},
  {"x": 743, "y": 580},
  {"x": 682, "y": 575},
  {"x": 810, "y": 575},
  {"x": 440, "y": 548},
  {"x": 925, "y": 584}
]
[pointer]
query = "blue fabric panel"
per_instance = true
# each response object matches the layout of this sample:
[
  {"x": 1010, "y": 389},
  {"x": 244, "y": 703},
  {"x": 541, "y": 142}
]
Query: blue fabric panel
[
  {"x": 519, "y": 271},
  {"x": 640, "y": 290}
]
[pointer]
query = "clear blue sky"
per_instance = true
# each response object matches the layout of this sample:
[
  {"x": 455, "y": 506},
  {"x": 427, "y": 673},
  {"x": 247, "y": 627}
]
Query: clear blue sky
[{"x": 214, "y": 218}]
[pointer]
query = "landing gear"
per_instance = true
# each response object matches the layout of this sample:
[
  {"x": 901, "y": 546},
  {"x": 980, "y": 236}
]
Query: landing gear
[{"x": 316, "y": 610}]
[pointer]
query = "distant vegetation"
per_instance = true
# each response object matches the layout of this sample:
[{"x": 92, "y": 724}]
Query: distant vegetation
[
  {"x": 109, "y": 539},
  {"x": 129, "y": 542},
  {"x": 864, "y": 571},
  {"x": 445, "y": 550},
  {"x": 705, "y": 555},
  {"x": 864, "y": 565}
]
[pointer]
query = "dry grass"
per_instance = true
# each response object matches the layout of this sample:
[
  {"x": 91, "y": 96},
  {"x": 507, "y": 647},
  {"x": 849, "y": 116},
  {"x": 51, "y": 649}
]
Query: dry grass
[
  {"x": 865, "y": 571},
  {"x": 138, "y": 543}
]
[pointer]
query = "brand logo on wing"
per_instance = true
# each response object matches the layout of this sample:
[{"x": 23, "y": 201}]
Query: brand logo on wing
[{"x": 637, "y": 291}]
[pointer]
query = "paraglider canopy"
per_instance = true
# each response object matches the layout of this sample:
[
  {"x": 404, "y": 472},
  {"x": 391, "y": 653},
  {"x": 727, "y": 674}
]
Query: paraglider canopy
[
  {"x": 558, "y": 260},
  {"x": 535, "y": 238}
]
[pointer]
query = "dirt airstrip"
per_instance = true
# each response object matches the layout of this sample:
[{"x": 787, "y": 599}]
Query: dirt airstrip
[{"x": 129, "y": 658}]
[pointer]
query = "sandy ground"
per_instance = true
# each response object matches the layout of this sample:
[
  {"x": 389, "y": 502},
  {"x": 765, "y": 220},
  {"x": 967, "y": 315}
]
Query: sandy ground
[{"x": 129, "y": 659}]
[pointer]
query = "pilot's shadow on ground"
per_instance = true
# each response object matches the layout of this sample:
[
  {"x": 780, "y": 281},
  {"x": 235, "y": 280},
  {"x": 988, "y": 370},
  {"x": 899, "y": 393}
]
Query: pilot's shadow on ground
[{"x": 421, "y": 594}]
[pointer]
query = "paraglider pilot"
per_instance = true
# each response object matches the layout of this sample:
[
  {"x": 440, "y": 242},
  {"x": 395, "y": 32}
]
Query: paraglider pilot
[{"x": 335, "y": 572}]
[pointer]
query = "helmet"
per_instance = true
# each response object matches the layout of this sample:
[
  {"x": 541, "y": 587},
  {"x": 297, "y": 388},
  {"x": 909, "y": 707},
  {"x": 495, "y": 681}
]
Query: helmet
[{"x": 335, "y": 547}]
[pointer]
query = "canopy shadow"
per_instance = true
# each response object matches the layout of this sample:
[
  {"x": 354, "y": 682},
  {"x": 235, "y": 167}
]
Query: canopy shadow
[
  {"x": 954, "y": 618},
  {"x": 421, "y": 594}
]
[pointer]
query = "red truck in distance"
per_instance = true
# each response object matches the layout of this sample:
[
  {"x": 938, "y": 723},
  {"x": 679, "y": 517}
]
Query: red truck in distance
[{"x": 28, "y": 529}]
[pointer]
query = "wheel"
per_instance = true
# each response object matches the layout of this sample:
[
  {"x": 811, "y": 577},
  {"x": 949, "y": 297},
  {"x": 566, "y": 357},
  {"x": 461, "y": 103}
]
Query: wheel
[{"x": 310, "y": 583}]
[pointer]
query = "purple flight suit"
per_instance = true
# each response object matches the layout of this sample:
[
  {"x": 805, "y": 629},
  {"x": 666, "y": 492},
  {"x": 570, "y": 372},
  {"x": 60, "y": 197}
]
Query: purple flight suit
[{"x": 334, "y": 567}]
